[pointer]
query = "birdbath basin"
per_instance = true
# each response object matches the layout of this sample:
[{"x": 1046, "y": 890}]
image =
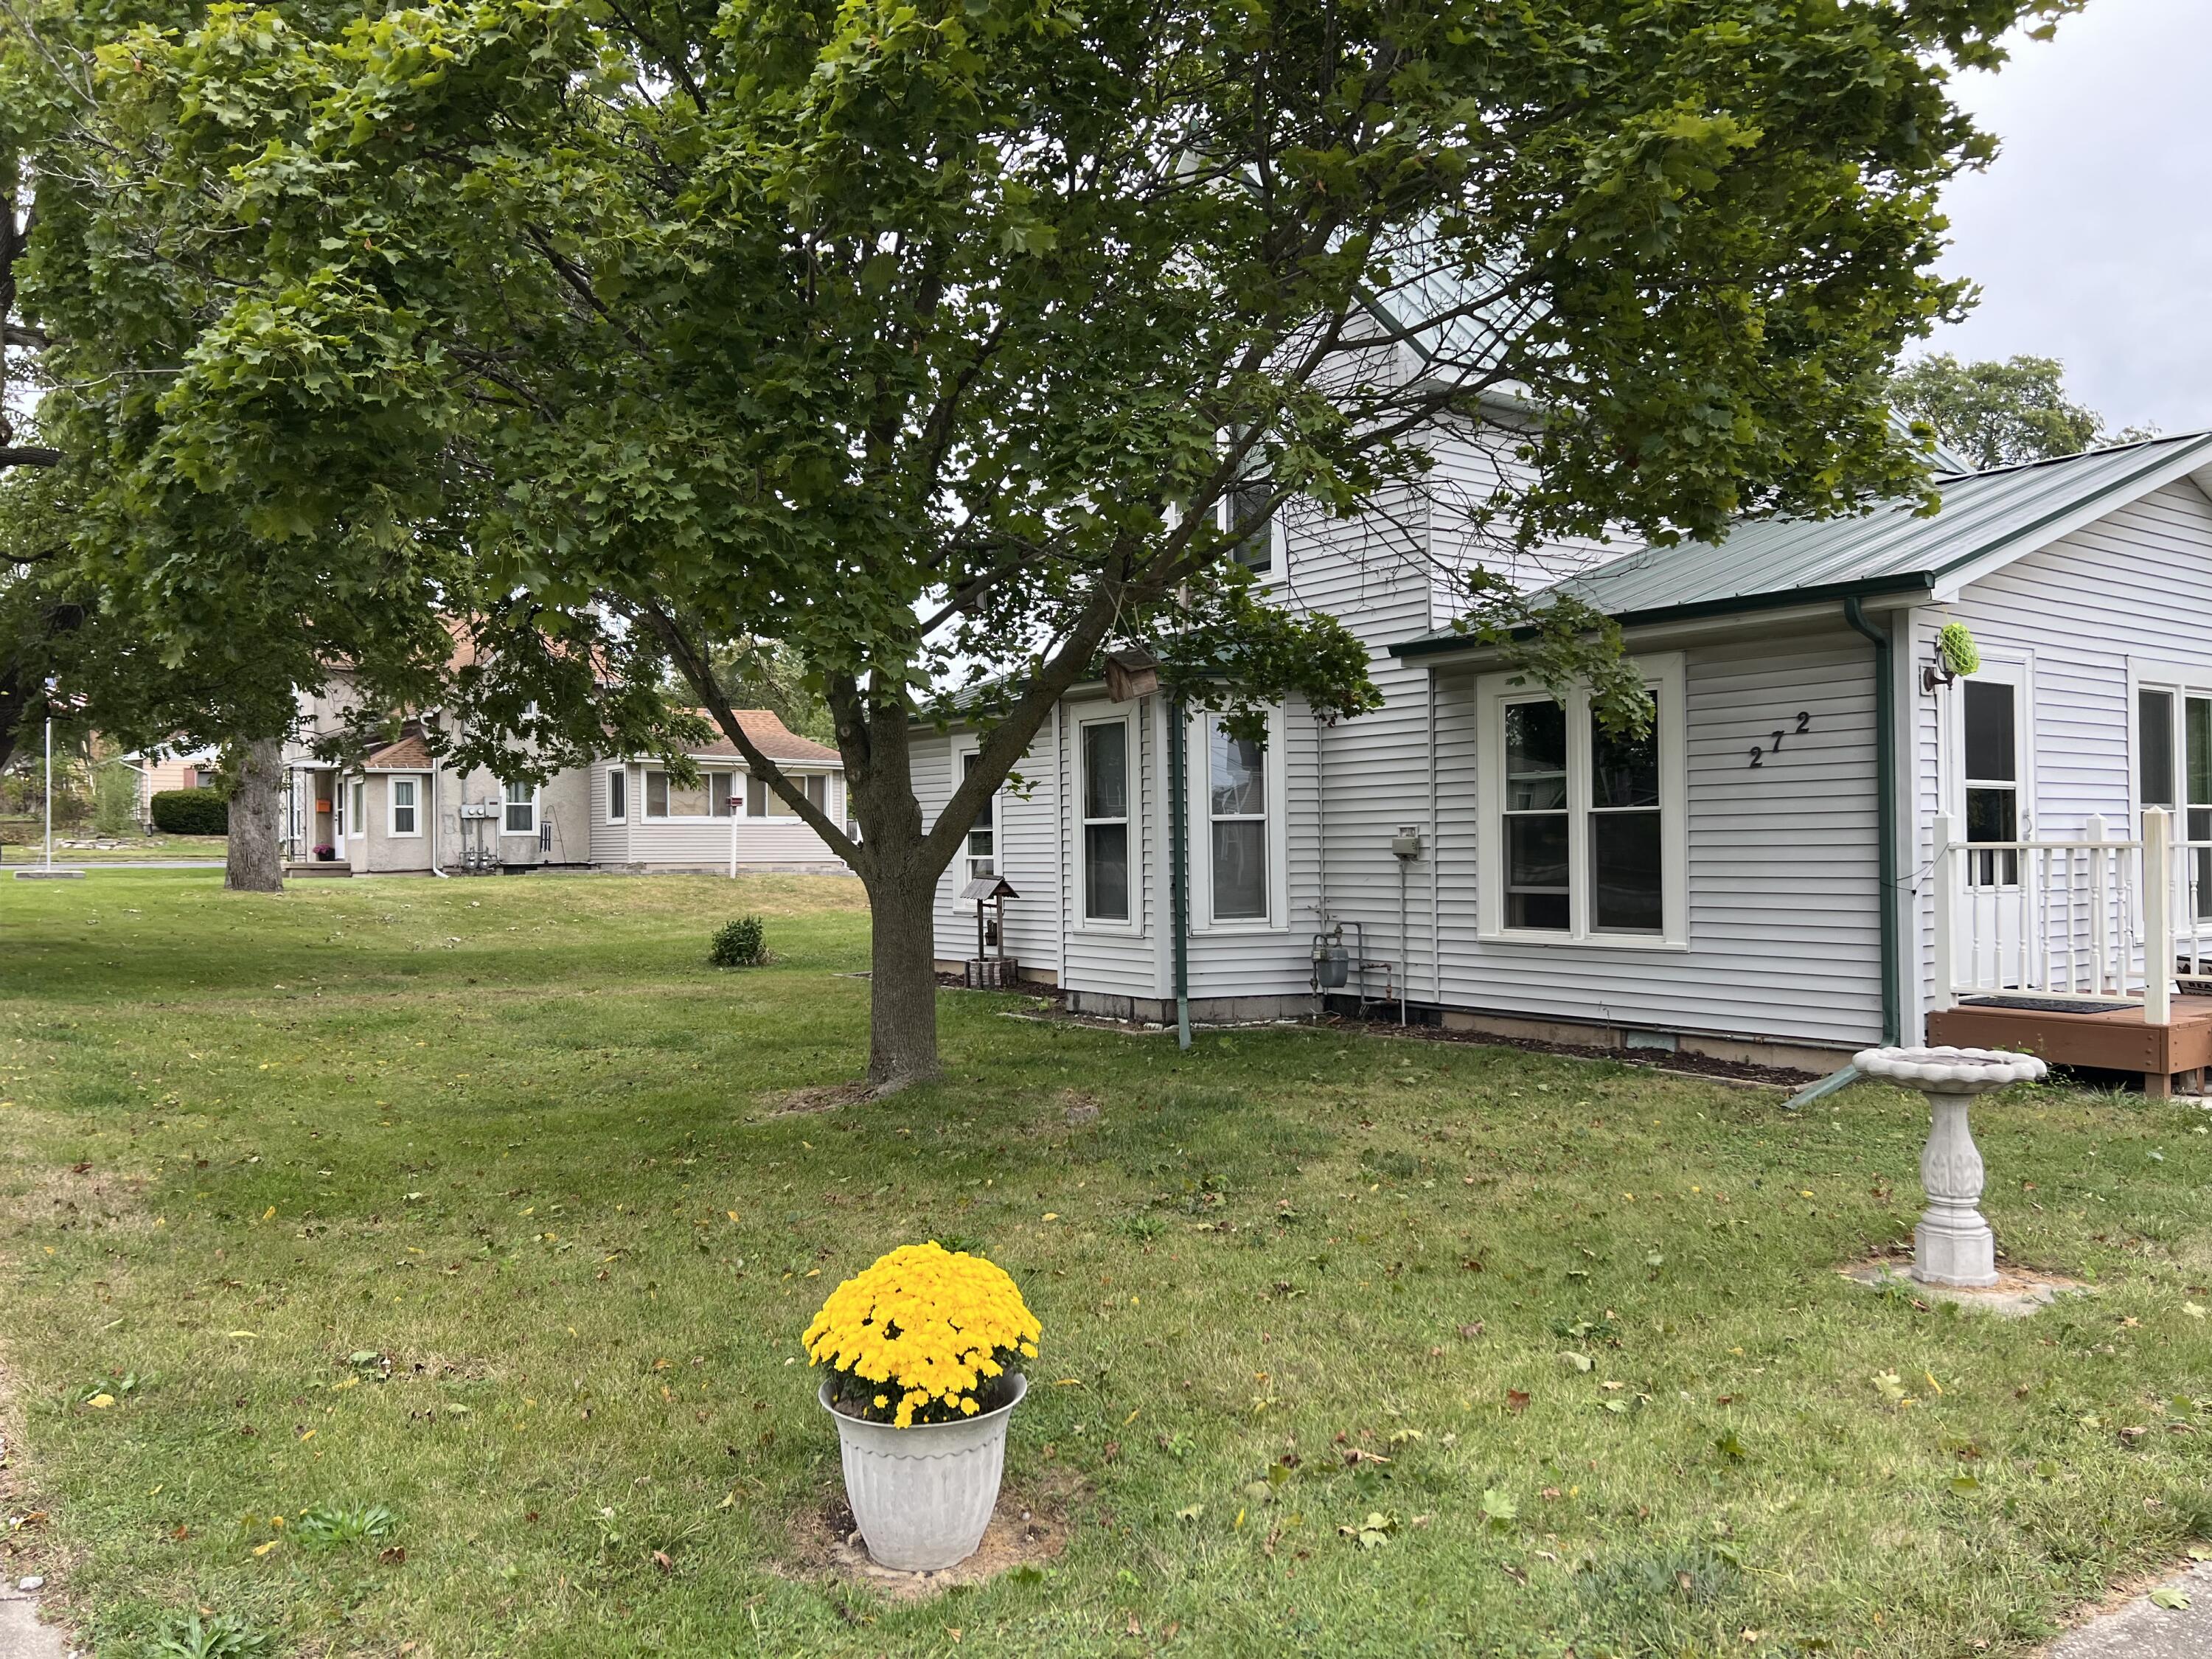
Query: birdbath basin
[{"x": 1953, "y": 1244}]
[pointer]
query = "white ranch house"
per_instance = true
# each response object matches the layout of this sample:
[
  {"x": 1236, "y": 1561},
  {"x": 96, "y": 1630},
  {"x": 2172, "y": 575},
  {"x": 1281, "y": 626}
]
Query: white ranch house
[
  {"x": 400, "y": 811},
  {"x": 1765, "y": 879}
]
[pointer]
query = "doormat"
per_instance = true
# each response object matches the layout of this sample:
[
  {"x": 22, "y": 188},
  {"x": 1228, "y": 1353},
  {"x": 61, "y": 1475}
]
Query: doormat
[{"x": 2048, "y": 1005}]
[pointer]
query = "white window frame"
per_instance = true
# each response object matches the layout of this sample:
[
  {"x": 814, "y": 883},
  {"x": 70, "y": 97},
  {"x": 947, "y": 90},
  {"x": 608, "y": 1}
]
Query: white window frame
[
  {"x": 1664, "y": 676},
  {"x": 619, "y": 778},
  {"x": 413, "y": 805},
  {"x": 1133, "y": 818},
  {"x": 646, "y": 815},
  {"x": 2181, "y": 683},
  {"x": 357, "y": 811},
  {"x": 962, "y": 758},
  {"x": 1198, "y": 781},
  {"x": 508, "y": 804},
  {"x": 2018, "y": 672}
]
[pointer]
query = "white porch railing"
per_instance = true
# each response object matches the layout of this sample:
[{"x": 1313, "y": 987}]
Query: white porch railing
[{"x": 2065, "y": 920}]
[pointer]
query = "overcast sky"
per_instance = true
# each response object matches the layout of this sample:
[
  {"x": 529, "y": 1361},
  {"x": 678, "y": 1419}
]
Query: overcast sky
[{"x": 2091, "y": 233}]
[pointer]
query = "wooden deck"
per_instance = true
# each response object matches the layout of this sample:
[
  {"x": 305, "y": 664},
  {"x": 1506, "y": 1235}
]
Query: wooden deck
[{"x": 2110, "y": 1040}]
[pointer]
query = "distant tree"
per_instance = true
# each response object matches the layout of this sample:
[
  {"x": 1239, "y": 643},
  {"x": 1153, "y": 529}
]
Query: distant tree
[
  {"x": 769, "y": 674},
  {"x": 2001, "y": 413}
]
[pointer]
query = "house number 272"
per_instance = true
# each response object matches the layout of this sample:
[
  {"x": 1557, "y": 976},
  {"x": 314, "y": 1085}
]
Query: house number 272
[{"x": 1759, "y": 755}]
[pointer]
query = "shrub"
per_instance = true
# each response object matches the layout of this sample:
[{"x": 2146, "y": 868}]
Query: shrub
[
  {"x": 739, "y": 943},
  {"x": 115, "y": 799},
  {"x": 191, "y": 813}
]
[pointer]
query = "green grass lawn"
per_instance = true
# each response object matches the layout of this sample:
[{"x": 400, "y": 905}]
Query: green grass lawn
[{"x": 471, "y": 1200}]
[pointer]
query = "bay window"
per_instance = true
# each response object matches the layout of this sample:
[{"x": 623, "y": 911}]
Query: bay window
[
  {"x": 1237, "y": 808},
  {"x": 1581, "y": 837}
]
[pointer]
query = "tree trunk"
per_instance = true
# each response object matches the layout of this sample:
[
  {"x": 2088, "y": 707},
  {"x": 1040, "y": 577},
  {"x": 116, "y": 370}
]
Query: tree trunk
[
  {"x": 902, "y": 982},
  {"x": 254, "y": 863}
]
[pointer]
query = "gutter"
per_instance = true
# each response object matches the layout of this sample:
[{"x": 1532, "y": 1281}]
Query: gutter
[
  {"x": 1884, "y": 767},
  {"x": 1919, "y": 581}
]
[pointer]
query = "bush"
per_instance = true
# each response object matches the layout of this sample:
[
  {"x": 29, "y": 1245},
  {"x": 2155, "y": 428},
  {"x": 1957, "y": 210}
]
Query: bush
[
  {"x": 739, "y": 943},
  {"x": 191, "y": 813},
  {"x": 115, "y": 799}
]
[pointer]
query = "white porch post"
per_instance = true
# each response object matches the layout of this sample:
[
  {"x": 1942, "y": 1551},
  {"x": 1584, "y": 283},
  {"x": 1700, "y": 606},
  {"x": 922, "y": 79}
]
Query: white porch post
[
  {"x": 2158, "y": 917},
  {"x": 1944, "y": 881}
]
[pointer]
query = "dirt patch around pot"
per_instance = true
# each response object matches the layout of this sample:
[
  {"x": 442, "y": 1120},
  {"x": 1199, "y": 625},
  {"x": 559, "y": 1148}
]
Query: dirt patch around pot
[
  {"x": 1029, "y": 1529},
  {"x": 2018, "y": 1292}
]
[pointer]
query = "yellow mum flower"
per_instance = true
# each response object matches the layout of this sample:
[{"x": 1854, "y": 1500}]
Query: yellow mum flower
[{"x": 928, "y": 1323}]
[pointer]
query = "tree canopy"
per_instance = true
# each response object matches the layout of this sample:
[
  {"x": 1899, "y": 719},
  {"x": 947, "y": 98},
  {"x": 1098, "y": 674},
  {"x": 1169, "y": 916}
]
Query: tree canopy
[
  {"x": 968, "y": 338},
  {"x": 2000, "y": 414}
]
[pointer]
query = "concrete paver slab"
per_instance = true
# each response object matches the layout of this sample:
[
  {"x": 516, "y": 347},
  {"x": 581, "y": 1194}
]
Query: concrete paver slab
[{"x": 2141, "y": 1629}]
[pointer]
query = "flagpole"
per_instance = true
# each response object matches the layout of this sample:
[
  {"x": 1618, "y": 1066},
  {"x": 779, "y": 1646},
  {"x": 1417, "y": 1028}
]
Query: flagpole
[{"x": 49, "y": 791}]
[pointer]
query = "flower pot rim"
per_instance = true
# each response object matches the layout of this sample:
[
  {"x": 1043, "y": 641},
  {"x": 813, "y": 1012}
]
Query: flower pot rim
[{"x": 1021, "y": 1393}]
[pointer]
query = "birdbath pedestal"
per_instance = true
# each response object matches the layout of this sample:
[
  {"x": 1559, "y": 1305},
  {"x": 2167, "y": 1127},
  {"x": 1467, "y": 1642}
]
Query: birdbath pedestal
[{"x": 1953, "y": 1244}]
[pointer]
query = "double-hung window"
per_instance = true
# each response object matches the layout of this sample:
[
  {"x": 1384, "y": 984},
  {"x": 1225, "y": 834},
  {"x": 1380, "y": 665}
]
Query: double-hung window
[
  {"x": 1237, "y": 808},
  {"x": 405, "y": 815},
  {"x": 1105, "y": 802},
  {"x": 983, "y": 851},
  {"x": 521, "y": 808},
  {"x": 1581, "y": 837}
]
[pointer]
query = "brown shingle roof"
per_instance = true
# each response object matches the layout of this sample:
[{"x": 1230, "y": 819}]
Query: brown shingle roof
[
  {"x": 770, "y": 735},
  {"x": 408, "y": 755}
]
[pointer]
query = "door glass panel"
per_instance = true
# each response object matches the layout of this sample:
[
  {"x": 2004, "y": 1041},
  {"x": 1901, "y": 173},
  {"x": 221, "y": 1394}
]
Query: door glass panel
[{"x": 1991, "y": 750}]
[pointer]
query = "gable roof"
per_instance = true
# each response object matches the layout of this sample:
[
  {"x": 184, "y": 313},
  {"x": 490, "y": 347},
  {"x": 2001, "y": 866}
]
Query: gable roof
[
  {"x": 769, "y": 735},
  {"x": 408, "y": 754},
  {"x": 1987, "y": 520}
]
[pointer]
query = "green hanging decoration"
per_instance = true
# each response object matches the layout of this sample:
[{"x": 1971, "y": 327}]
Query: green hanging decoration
[{"x": 1955, "y": 647}]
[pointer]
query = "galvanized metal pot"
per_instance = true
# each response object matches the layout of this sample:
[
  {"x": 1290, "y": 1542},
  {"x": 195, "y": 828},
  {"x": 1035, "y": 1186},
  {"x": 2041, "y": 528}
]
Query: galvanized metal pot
[{"x": 924, "y": 1495}]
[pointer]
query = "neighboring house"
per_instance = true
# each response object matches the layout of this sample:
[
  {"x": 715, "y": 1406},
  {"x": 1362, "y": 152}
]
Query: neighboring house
[
  {"x": 159, "y": 770},
  {"x": 400, "y": 811},
  {"x": 1722, "y": 886}
]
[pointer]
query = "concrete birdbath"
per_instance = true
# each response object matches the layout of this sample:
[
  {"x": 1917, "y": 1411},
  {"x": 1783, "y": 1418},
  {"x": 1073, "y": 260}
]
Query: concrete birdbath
[{"x": 1953, "y": 1244}]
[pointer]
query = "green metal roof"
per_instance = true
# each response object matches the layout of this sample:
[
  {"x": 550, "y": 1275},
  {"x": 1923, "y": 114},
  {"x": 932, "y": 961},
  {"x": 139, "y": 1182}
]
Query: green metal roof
[{"x": 1773, "y": 561}]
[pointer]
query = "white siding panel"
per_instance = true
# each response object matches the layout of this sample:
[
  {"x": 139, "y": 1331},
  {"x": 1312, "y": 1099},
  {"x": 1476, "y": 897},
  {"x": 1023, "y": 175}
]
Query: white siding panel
[
  {"x": 2131, "y": 590},
  {"x": 1784, "y": 930}
]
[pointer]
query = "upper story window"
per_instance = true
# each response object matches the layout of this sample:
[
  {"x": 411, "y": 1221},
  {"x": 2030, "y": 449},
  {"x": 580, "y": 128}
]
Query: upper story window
[
  {"x": 1583, "y": 838},
  {"x": 1105, "y": 803},
  {"x": 521, "y": 808},
  {"x": 1236, "y": 806}
]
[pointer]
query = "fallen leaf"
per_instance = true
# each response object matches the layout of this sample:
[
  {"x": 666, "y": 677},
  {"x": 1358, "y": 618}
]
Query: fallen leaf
[
  {"x": 1516, "y": 1399},
  {"x": 2167, "y": 1596},
  {"x": 660, "y": 1559}
]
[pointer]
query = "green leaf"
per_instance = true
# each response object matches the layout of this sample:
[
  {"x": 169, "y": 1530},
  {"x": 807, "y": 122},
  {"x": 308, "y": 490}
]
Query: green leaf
[{"x": 2168, "y": 1597}]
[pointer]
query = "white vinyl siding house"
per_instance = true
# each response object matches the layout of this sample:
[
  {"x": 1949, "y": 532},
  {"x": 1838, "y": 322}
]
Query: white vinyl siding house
[{"x": 1720, "y": 887}]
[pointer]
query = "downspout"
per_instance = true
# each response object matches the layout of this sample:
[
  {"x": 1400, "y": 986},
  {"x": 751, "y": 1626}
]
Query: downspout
[
  {"x": 1884, "y": 767},
  {"x": 437, "y": 865},
  {"x": 1179, "y": 870}
]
